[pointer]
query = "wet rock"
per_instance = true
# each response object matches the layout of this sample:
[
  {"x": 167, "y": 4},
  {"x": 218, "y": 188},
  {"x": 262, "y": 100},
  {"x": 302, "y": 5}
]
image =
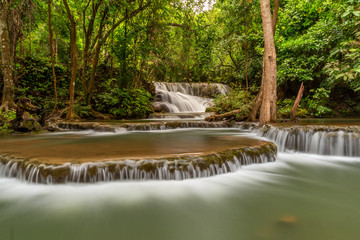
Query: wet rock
[
  {"x": 160, "y": 107},
  {"x": 105, "y": 128}
]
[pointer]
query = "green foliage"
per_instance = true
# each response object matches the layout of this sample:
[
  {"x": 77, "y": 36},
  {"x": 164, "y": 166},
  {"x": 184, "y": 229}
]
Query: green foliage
[
  {"x": 318, "y": 43},
  {"x": 124, "y": 103},
  {"x": 237, "y": 99},
  {"x": 317, "y": 104},
  {"x": 5, "y": 118},
  {"x": 82, "y": 110},
  {"x": 36, "y": 82},
  {"x": 285, "y": 107},
  {"x": 307, "y": 32},
  {"x": 345, "y": 59}
]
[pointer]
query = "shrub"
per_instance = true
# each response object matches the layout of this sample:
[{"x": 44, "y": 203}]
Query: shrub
[
  {"x": 237, "y": 99},
  {"x": 124, "y": 103},
  {"x": 285, "y": 107},
  {"x": 5, "y": 118},
  {"x": 317, "y": 103}
]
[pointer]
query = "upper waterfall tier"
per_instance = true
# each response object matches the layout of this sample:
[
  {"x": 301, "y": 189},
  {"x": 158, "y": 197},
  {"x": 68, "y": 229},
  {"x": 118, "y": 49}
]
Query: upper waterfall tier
[{"x": 185, "y": 97}]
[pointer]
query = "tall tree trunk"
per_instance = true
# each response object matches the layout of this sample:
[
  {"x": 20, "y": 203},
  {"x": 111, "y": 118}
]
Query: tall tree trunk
[
  {"x": 22, "y": 44},
  {"x": 95, "y": 60},
  {"x": 258, "y": 99},
  {"x": 270, "y": 68},
  {"x": 88, "y": 31},
  {"x": 8, "y": 91},
  {"x": 52, "y": 52},
  {"x": 124, "y": 75},
  {"x": 73, "y": 52},
  {"x": 274, "y": 84},
  {"x": 275, "y": 14},
  {"x": 30, "y": 30}
]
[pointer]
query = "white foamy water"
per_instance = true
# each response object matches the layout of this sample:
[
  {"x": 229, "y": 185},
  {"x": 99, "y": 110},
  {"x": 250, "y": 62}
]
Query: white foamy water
[
  {"x": 314, "y": 190},
  {"x": 186, "y": 98},
  {"x": 300, "y": 196}
]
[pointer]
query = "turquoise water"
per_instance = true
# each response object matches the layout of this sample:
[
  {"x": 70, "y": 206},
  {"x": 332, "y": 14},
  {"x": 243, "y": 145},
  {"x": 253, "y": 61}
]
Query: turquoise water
[{"x": 320, "y": 194}]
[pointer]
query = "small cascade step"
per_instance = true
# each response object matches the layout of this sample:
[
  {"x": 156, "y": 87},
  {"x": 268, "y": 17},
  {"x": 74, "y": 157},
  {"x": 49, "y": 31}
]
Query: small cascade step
[{"x": 322, "y": 140}]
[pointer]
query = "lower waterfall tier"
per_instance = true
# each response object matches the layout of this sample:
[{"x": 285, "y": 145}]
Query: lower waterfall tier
[{"x": 177, "y": 168}]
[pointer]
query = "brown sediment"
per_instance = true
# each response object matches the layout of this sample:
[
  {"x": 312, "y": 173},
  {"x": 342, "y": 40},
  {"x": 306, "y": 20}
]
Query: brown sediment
[{"x": 78, "y": 149}]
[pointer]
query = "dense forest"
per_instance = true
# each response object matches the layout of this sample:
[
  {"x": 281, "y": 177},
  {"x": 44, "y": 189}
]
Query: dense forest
[{"x": 98, "y": 58}]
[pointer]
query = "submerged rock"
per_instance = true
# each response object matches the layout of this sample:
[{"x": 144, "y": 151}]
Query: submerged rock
[{"x": 288, "y": 219}]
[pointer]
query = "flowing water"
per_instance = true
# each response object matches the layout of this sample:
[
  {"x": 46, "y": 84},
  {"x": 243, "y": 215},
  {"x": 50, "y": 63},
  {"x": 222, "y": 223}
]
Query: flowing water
[
  {"x": 186, "y": 98},
  {"x": 300, "y": 196}
]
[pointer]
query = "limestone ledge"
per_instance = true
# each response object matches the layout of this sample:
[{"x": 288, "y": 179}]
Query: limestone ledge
[
  {"x": 143, "y": 126},
  {"x": 176, "y": 168}
]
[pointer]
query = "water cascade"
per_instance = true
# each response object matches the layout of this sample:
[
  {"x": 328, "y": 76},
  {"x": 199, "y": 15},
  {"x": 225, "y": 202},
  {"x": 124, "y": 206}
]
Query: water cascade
[
  {"x": 185, "y": 97},
  {"x": 301, "y": 195},
  {"x": 155, "y": 169},
  {"x": 124, "y": 154},
  {"x": 322, "y": 140}
]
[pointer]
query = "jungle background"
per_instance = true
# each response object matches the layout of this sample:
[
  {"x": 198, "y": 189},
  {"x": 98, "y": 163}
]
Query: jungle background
[{"x": 111, "y": 51}]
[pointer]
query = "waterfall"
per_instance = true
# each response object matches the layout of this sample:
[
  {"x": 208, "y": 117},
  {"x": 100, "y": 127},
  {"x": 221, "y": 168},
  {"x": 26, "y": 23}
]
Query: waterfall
[
  {"x": 315, "y": 139},
  {"x": 185, "y": 97},
  {"x": 155, "y": 169}
]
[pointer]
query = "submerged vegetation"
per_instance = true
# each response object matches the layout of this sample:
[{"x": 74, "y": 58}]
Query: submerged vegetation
[{"x": 99, "y": 58}]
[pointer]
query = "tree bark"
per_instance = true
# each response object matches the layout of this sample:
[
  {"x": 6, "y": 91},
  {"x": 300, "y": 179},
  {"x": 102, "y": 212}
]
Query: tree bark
[
  {"x": 237, "y": 115},
  {"x": 256, "y": 105},
  {"x": 73, "y": 52},
  {"x": 270, "y": 68},
  {"x": 274, "y": 84},
  {"x": 8, "y": 91},
  {"x": 297, "y": 101},
  {"x": 258, "y": 99},
  {"x": 52, "y": 53},
  {"x": 275, "y": 14},
  {"x": 88, "y": 31}
]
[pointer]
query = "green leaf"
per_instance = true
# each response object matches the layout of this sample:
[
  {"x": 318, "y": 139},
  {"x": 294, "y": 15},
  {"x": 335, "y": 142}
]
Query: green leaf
[
  {"x": 357, "y": 70},
  {"x": 339, "y": 76}
]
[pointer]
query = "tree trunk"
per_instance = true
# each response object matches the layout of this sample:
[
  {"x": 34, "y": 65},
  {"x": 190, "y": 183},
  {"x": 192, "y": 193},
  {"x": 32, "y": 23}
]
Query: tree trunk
[
  {"x": 73, "y": 52},
  {"x": 8, "y": 91},
  {"x": 274, "y": 84},
  {"x": 297, "y": 101},
  {"x": 256, "y": 106},
  {"x": 270, "y": 68},
  {"x": 52, "y": 53},
  {"x": 88, "y": 31},
  {"x": 275, "y": 14},
  {"x": 258, "y": 99}
]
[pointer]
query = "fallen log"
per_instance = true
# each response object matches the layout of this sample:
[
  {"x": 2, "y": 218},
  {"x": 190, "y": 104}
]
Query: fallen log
[
  {"x": 297, "y": 101},
  {"x": 236, "y": 115}
]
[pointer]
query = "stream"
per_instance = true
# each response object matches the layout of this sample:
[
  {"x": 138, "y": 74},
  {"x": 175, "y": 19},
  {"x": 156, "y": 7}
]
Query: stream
[
  {"x": 311, "y": 190},
  {"x": 300, "y": 196}
]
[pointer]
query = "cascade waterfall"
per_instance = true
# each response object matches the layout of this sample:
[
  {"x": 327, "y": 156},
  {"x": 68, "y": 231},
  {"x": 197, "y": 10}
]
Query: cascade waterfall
[{"x": 185, "y": 97}]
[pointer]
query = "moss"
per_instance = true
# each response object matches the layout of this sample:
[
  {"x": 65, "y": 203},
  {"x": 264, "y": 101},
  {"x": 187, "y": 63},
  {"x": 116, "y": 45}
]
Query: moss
[
  {"x": 92, "y": 170},
  {"x": 148, "y": 166}
]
